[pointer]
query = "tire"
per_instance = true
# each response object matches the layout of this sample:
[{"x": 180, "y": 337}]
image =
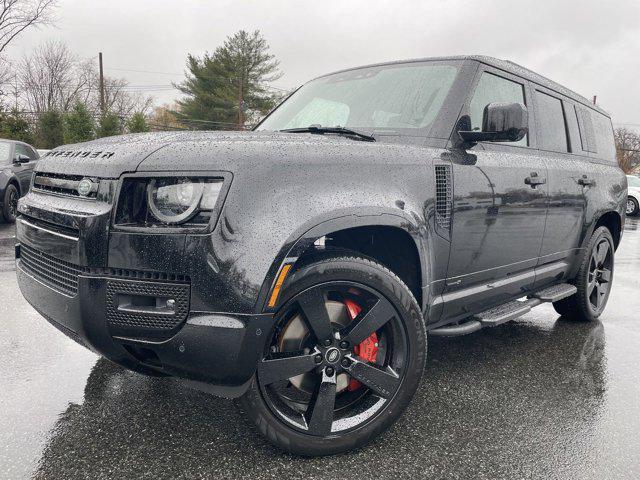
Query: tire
[
  {"x": 632, "y": 207},
  {"x": 10, "y": 203},
  {"x": 593, "y": 280},
  {"x": 402, "y": 336}
]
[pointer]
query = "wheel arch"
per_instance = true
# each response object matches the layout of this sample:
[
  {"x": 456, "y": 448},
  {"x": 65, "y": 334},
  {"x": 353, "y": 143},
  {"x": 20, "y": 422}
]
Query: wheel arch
[
  {"x": 5, "y": 181},
  {"x": 613, "y": 221},
  {"x": 348, "y": 229}
]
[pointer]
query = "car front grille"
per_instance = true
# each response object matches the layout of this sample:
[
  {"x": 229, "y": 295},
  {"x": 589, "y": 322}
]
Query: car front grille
[
  {"x": 59, "y": 275},
  {"x": 62, "y": 184},
  {"x": 63, "y": 277}
]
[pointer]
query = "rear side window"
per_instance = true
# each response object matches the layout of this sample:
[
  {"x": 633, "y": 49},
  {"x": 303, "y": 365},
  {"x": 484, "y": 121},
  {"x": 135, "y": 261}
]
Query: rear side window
[
  {"x": 552, "y": 129},
  {"x": 596, "y": 133},
  {"x": 492, "y": 88},
  {"x": 605, "y": 144},
  {"x": 587, "y": 133}
]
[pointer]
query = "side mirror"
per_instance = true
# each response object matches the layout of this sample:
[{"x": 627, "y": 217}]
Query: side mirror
[
  {"x": 20, "y": 158},
  {"x": 501, "y": 122}
]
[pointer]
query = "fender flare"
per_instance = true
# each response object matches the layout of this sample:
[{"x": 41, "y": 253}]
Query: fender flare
[
  {"x": 305, "y": 235},
  {"x": 5, "y": 180}
]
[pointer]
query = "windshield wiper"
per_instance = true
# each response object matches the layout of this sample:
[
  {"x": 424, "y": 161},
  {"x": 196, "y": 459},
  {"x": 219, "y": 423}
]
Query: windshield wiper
[{"x": 338, "y": 130}]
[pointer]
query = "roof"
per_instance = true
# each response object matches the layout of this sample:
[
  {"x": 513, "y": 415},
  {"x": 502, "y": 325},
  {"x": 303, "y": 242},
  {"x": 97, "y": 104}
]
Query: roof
[{"x": 506, "y": 65}]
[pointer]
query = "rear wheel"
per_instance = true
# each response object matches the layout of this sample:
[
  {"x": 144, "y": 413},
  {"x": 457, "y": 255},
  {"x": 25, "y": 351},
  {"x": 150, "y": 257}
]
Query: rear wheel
[
  {"x": 593, "y": 280},
  {"x": 345, "y": 358},
  {"x": 632, "y": 207},
  {"x": 10, "y": 203}
]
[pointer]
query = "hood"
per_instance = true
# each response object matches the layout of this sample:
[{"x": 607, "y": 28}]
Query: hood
[
  {"x": 106, "y": 157},
  {"x": 200, "y": 151}
]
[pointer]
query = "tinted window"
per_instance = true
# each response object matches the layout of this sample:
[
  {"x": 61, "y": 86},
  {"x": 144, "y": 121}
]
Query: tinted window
[
  {"x": 26, "y": 150},
  {"x": 587, "y": 133},
  {"x": 492, "y": 88},
  {"x": 23, "y": 150},
  {"x": 5, "y": 150},
  {"x": 552, "y": 130},
  {"x": 605, "y": 144},
  {"x": 402, "y": 96}
]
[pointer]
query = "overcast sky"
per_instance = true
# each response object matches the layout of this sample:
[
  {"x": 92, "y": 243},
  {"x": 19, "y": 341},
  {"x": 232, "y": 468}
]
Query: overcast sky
[{"x": 590, "y": 46}]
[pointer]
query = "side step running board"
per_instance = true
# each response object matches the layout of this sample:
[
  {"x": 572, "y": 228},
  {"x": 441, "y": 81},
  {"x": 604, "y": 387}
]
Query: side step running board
[{"x": 506, "y": 312}]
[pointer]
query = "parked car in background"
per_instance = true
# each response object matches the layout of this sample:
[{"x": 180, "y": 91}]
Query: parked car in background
[
  {"x": 300, "y": 266},
  {"x": 633, "y": 196},
  {"x": 17, "y": 160}
]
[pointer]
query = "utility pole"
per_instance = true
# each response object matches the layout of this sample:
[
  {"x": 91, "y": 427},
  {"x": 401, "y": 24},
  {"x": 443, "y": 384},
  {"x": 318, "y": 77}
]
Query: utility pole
[
  {"x": 594, "y": 99},
  {"x": 102, "y": 107}
]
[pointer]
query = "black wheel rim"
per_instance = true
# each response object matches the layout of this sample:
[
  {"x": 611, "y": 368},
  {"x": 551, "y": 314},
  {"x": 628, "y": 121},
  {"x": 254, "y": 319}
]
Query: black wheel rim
[
  {"x": 328, "y": 355},
  {"x": 13, "y": 203},
  {"x": 600, "y": 275}
]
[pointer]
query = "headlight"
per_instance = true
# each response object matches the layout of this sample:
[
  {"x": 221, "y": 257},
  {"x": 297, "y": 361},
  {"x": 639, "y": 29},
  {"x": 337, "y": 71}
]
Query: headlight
[{"x": 168, "y": 201}]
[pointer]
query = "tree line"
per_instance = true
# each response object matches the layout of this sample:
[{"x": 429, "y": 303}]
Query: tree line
[{"x": 52, "y": 96}]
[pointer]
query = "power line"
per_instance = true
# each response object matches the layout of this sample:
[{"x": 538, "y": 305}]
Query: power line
[{"x": 212, "y": 77}]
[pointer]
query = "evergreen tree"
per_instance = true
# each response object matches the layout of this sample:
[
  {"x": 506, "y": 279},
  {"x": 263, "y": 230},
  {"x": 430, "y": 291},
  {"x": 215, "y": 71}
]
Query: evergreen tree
[
  {"x": 78, "y": 124},
  {"x": 109, "y": 125},
  {"x": 15, "y": 127},
  {"x": 229, "y": 88},
  {"x": 137, "y": 123},
  {"x": 50, "y": 129}
]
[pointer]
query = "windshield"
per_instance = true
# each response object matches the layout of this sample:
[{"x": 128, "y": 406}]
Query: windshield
[
  {"x": 5, "y": 149},
  {"x": 633, "y": 181},
  {"x": 397, "y": 97}
]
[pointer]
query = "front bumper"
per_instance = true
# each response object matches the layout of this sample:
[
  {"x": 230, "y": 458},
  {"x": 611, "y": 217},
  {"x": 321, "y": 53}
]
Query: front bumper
[
  {"x": 218, "y": 349},
  {"x": 68, "y": 274}
]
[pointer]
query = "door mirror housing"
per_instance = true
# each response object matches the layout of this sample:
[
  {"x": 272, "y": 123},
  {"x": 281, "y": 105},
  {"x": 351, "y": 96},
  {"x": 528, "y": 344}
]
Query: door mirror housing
[
  {"x": 501, "y": 122},
  {"x": 20, "y": 158}
]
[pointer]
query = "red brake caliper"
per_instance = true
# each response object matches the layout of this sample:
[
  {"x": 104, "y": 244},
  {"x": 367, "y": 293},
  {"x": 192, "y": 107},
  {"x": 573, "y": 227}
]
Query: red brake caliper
[{"x": 367, "y": 349}]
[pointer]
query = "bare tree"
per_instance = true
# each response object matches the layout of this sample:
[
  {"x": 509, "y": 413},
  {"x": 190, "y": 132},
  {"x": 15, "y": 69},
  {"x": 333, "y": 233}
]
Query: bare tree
[
  {"x": 162, "y": 119},
  {"x": 18, "y": 15},
  {"x": 6, "y": 74},
  {"x": 627, "y": 149},
  {"x": 53, "y": 78},
  {"x": 119, "y": 98}
]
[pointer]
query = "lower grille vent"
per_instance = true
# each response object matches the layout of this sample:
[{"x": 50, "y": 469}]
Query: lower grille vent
[
  {"x": 444, "y": 196},
  {"x": 59, "y": 275},
  {"x": 128, "y": 319}
]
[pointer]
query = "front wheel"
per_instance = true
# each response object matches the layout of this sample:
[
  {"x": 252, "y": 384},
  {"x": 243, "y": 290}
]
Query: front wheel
[
  {"x": 345, "y": 358},
  {"x": 593, "y": 280},
  {"x": 10, "y": 203},
  {"x": 632, "y": 207}
]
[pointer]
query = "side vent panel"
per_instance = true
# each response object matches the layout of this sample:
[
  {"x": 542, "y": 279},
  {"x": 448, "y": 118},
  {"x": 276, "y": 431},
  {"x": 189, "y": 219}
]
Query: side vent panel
[{"x": 444, "y": 196}]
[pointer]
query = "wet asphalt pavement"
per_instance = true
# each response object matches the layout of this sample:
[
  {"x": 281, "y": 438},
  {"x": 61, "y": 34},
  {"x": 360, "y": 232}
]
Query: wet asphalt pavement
[{"x": 535, "y": 398}]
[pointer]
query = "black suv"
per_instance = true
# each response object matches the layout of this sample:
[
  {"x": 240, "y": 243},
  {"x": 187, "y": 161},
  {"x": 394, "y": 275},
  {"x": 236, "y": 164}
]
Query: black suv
[
  {"x": 301, "y": 265},
  {"x": 17, "y": 160}
]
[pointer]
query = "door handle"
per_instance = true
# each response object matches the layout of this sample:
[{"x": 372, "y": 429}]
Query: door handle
[
  {"x": 534, "y": 180},
  {"x": 586, "y": 182}
]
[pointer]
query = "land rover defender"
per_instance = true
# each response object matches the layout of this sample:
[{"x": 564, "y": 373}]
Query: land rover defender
[{"x": 301, "y": 266}]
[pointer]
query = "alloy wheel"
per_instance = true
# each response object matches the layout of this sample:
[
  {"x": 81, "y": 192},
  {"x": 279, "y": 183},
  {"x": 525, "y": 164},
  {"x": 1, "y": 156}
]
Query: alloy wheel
[
  {"x": 336, "y": 359},
  {"x": 630, "y": 206},
  {"x": 600, "y": 274},
  {"x": 13, "y": 203}
]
